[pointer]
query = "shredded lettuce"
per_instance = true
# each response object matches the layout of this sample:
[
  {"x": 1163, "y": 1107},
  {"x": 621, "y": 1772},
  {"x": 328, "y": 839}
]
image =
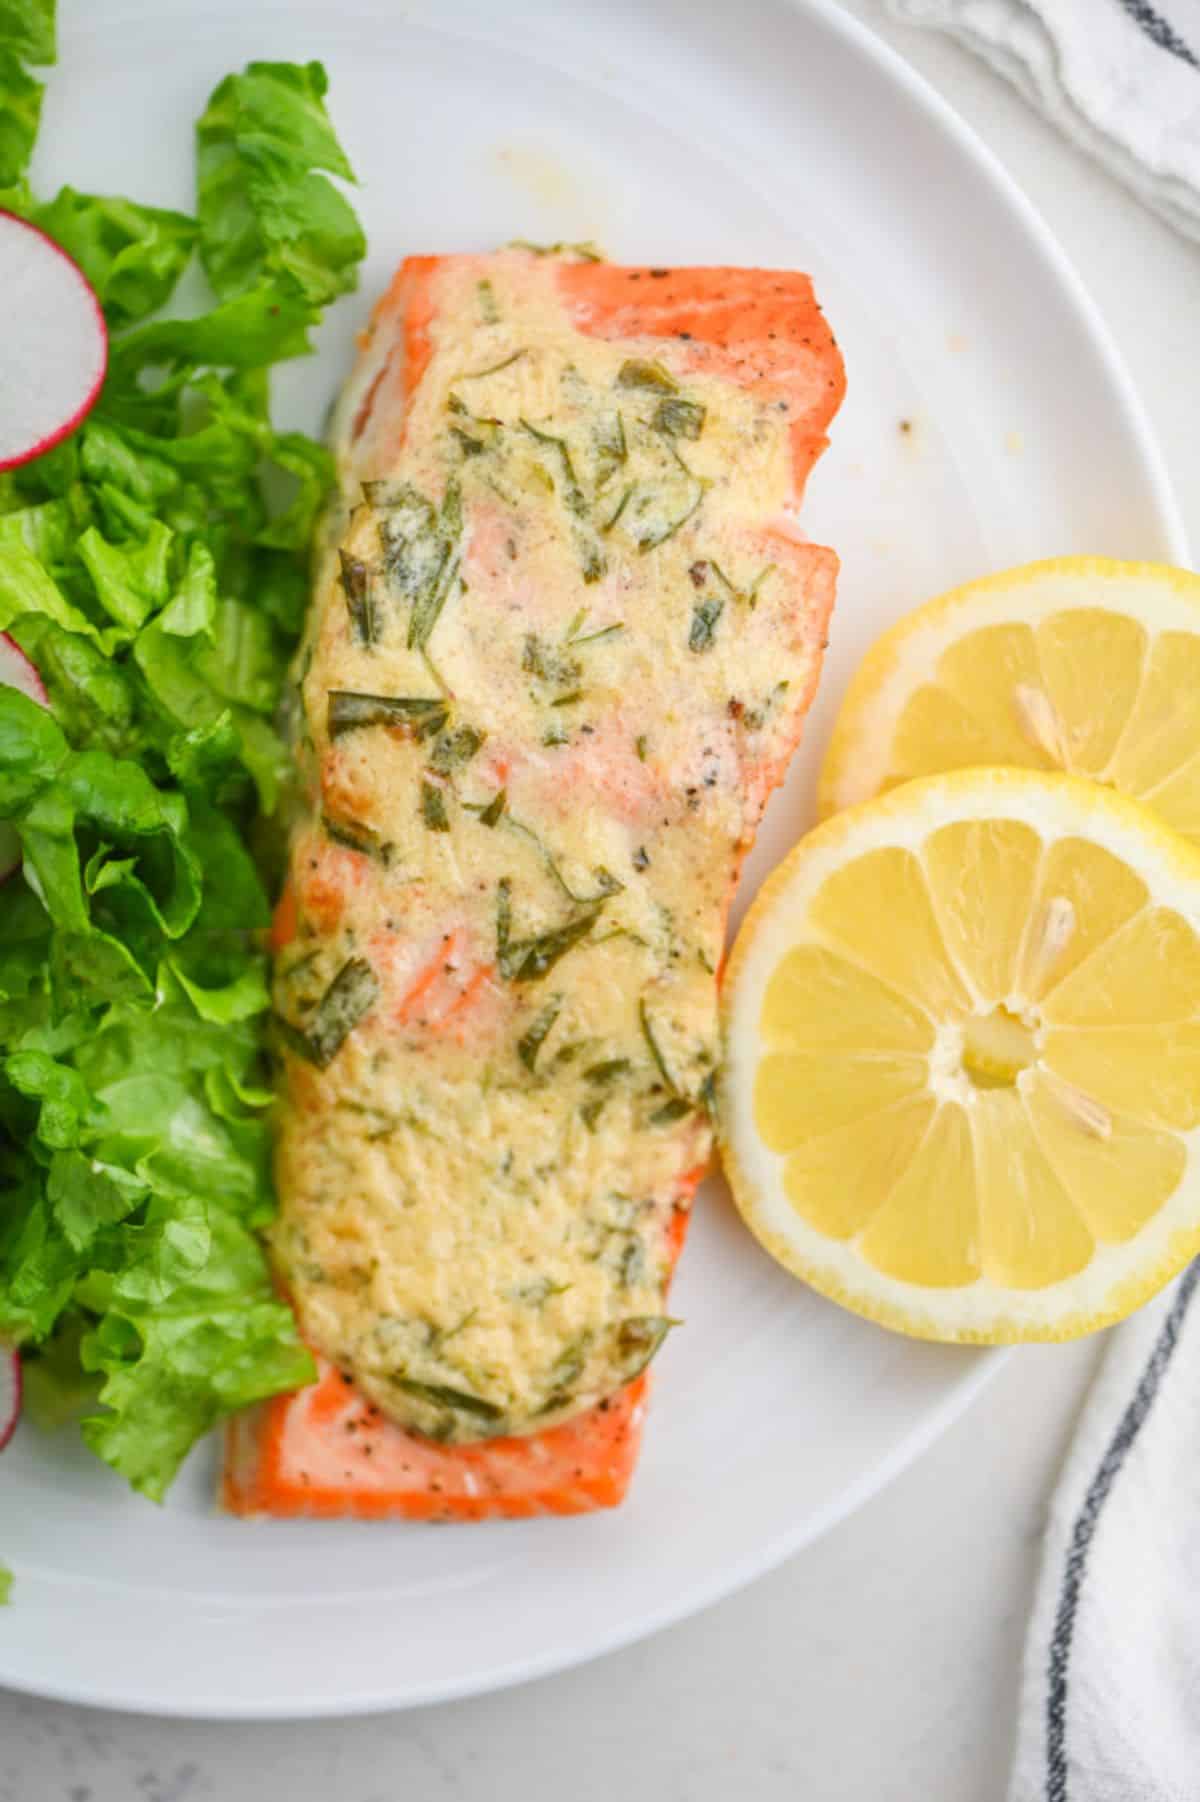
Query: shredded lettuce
[
  {"x": 153, "y": 567},
  {"x": 266, "y": 213},
  {"x": 26, "y": 36},
  {"x": 132, "y": 255}
]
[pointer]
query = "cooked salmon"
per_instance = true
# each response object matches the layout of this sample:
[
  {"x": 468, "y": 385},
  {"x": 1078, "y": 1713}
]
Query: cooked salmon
[{"x": 563, "y": 640}]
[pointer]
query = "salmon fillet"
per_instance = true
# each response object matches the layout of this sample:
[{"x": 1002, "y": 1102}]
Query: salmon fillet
[{"x": 484, "y": 1274}]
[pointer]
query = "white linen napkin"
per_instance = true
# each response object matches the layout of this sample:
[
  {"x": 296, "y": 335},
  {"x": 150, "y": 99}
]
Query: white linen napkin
[
  {"x": 1110, "y": 1693},
  {"x": 1119, "y": 77}
]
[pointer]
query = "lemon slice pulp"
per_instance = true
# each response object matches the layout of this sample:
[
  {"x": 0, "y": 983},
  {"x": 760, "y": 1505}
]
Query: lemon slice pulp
[
  {"x": 962, "y": 1057},
  {"x": 1081, "y": 664}
]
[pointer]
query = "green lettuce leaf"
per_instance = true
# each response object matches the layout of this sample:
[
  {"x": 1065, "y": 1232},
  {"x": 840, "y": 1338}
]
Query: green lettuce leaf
[
  {"x": 26, "y": 35},
  {"x": 221, "y": 1341},
  {"x": 131, "y": 581},
  {"x": 132, "y": 255},
  {"x": 108, "y": 849},
  {"x": 20, "y": 111},
  {"x": 27, "y": 29},
  {"x": 264, "y": 210},
  {"x": 26, "y": 586},
  {"x": 93, "y": 698},
  {"x": 264, "y": 325},
  {"x": 154, "y": 567}
]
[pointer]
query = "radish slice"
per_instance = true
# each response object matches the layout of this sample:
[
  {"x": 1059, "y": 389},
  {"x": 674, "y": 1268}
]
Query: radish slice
[
  {"x": 54, "y": 346},
  {"x": 10, "y": 1395},
  {"x": 16, "y": 671}
]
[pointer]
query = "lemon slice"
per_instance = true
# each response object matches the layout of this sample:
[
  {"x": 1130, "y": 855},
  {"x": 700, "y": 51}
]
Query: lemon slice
[
  {"x": 1080, "y": 664},
  {"x": 962, "y": 1057}
]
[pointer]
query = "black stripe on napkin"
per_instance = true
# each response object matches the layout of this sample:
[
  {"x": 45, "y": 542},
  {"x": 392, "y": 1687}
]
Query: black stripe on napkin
[
  {"x": 1160, "y": 31},
  {"x": 1084, "y": 1531}
]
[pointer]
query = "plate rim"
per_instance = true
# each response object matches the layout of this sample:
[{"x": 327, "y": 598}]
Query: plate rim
[{"x": 985, "y": 1366}]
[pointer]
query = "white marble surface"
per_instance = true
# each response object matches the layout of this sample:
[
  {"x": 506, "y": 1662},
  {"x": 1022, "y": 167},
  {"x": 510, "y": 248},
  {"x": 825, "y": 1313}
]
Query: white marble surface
[{"x": 879, "y": 1666}]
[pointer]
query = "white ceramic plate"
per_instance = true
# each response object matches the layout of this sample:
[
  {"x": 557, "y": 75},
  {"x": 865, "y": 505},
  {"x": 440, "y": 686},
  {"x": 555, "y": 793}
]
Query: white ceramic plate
[{"x": 676, "y": 131}]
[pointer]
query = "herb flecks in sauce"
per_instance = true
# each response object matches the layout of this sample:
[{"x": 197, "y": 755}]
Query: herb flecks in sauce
[
  {"x": 678, "y": 418},
  {"x": 637, "y": 372},
  {"x": 506, "y": 707},
  {"x": 360, "y": 603},
  {"x": 534, "y": 1037},
  {"x": 441, "y": 1395},
  {"x": 351, "y": 712},
  {"x": 348, "y": 999},
  {"x": 433, "y": 807}
]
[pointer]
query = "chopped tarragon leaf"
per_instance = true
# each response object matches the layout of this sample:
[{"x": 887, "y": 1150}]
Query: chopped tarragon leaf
[
  {"x": 475, "y": 375},
  {"x": 606, "y": 883},
  {"x": 641, "y": 745},
  {"x": 571, "y": 491},
  {"x": 418, "y": 543},
  {"x": 655, "y": 1050},
  {"x": 587, "y": 251},
  {"x": 348, "y": 999},
  {"x": 489, "y": 312},
  {"x": 428, "y": 607},
  {"x": 490, "y": 815},
  {"x": 568, "y": 1366},
  {"x": 528, "y": 960},
  {"x": 608, "y": 1071},
  {"x": 537, "y": 1293},
  {"x": 638, "y": 1339},
  {"x": 349, "y": 711},
  {"x": 475, "y": 432},
  {"x": 470, "y": 447},
  {"x": 672, "y": 1110},
  {"x": 706, "y": 615},
  {"x": 632, "y": 1263},
  {"x": 357, "y": 837},
  {"x": 541, "y": 660},
  {"x": 433, "y": 807},
  {"x": 592, "y": 561},
  {"x": 760, "y": 578},
  {"x": 503, "y": 924},
  {"x": 537, "y": 956},
  {"x": 614, "y": 518},
  {"x": 679, "y": 418},
  {"x": 452, "y": 749},
  {"x": 439, "y": 1336},
  {"x": 650, "y": 539},
  {"x": 576, "y": 694},
  {"x": 591, "y": 1111},
  {"x": 636, "y": 372},
  {"x": 611, "y": 449},
  {"x": 414, "y": 550},
  {"x": 355, "y": 578},
  {"x": 603, "y": 633},
  {"x": 536, "y": 1034},
  {"x": 441, "y": 1395}
]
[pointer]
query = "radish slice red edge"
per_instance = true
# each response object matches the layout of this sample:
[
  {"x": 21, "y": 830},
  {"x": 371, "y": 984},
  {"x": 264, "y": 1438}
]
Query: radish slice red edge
[
  {"x": 16, "y": 671},
  {"x": 10, "y": 1395},
  {"x": 54, "y": 346}
]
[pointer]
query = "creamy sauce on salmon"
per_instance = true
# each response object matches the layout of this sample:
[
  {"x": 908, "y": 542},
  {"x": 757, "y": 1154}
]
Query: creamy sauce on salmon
[{"x": 562, "y": 633}]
